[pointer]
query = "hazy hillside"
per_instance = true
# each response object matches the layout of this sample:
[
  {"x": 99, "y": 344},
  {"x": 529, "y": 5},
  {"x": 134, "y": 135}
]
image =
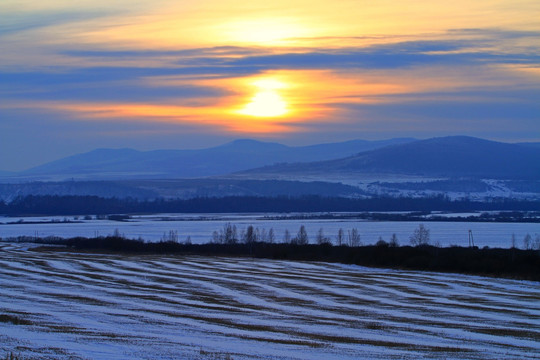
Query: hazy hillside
[
  {"x": 232, "y": 157},
  {"x": 178, "y": 189},
  {"x": 448, "y": 157},
  {"x": 530, "y": 144},
  {"x": 107, "y": 189}
]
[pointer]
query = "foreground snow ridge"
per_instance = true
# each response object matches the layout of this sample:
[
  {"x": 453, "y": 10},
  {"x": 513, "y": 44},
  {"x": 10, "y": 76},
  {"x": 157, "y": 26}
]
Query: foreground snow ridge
[{"x": 96, "y": 306}]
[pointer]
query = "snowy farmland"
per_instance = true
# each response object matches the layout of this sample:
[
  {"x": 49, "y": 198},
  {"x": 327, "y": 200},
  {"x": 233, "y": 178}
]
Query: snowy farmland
[
  {"x": 60, "y": 305},
  {"x": 199, "y": 228}
]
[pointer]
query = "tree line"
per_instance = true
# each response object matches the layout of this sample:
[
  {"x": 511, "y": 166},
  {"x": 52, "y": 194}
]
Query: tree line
[
  {"x": 229, "y": 234},
  {"x": 82, "y": 205},
  {"x": 512, "y": 262}
]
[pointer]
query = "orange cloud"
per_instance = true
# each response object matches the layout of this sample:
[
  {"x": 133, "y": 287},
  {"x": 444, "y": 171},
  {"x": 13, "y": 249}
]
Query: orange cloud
[{"x": 273, "y": 102}]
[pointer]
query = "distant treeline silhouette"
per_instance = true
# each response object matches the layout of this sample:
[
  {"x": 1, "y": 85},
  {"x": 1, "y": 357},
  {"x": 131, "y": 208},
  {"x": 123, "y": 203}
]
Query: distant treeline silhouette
[
  {"x": 513, "y": 262},
  {"x": 82, "y": 205}
]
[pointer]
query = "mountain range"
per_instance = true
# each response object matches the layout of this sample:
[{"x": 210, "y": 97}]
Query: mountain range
[
  {"x": 232, "y": 157},
  {"x": 446, "y": 157},
  {"x": 457, "y": 166}
]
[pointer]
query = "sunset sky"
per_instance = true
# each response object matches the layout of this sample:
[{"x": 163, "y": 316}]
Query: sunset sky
[{"x": 164, "y": 74}]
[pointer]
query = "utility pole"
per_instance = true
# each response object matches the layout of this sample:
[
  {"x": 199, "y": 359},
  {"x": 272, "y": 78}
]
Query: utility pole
[{"x": 471, "y": 239}]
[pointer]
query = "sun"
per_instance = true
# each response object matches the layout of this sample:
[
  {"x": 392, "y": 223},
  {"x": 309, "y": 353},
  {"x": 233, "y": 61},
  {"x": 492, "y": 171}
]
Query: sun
[
  {"x": 267, "y": 100},
  {"x": 267, "y": 103}
]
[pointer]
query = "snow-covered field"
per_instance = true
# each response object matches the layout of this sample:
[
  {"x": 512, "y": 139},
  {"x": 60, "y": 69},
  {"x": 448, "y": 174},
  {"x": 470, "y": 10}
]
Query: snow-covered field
[
  {"x": 200, "y": 227},
  {"x": 58, "y": 305}
]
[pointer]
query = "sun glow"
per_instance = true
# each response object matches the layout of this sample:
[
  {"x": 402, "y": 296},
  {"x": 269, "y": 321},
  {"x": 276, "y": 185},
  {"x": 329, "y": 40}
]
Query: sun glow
[
  {"x": 271, "y": 31},
  {"x": 267, "y": 101}
]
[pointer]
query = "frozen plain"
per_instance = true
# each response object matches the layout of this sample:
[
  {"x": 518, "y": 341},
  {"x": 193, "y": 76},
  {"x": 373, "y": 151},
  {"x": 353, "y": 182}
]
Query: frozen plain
[
  {"x": 61, "y": 305},
  {"x": 199, "y": 228}
]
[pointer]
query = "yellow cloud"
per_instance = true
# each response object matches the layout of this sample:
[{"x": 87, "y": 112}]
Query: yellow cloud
[{"x": 173, "y": 24}]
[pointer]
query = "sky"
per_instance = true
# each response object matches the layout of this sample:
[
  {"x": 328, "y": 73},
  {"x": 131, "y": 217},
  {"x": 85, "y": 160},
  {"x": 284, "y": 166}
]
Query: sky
[{"x": 186, "y": 74}]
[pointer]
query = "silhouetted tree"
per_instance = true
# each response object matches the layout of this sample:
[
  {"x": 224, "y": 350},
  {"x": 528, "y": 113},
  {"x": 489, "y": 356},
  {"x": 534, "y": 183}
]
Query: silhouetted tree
[
  {"x": 420, "y": 236},
  {"x": 354, "y": 237},
  {"x": 227, "y": 235},
  {"x": 230, "y": 234},
  {"x": 394, "y": 241},
  {"x": 287, "y": 237},
  {"x": 261, "y": 235},
  {"x": 172, "y": 236},
  {"x": 271, "y": 236},
  {"x": 381, "y": 242},
  {"x": 302, "y": 237},
  {"x": 536, "y": 244},
  {"x": 340, "y": 238},
  {"x": 117, "y": 234},
  {"x": 527, "y": 242},
  {"x": 321, "y": 239},
  {"x": 250, "y": 235}
]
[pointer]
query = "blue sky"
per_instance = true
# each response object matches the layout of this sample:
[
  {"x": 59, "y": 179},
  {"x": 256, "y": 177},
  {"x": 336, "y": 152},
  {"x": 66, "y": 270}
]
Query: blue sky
[{"x": 185, "y": 74}]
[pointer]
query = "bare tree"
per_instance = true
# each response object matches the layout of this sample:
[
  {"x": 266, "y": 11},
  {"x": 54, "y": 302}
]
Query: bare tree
[
  {"x": 513, "y": 241},
  {"x": 117, "y": 234},
  {"x": 271, "y": 236},
  {"x": 321, "y": 239},
  {"x": 216, "y": 237},
  {"x": 340, "y": 238},
  {"x": 354, "y": 237},
  {"x": 287, "y": 237},
  {"x": 242, "y": 236},
  {"x": 527, "y": 242},
  {"x": 420, "y": 236},
  {"x": 229, "y": 234},
  {"x": 172, "y": 236},
  {"x": 394, "y": 241},
  {"x": 536, "y": 244},
  {"x": 250, "y": 235},
  {"x": 302, "y": 237},
  {"x": 261, "y": 234}
]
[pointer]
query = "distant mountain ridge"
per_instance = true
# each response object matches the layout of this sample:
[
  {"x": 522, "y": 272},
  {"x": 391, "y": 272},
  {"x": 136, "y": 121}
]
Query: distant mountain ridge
[
  {"x": 435, "y": 158},
  {"x": 235, "y": 156},
  {"x": 457, "y": 167},
  {"x": 448, "y": 157}
]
